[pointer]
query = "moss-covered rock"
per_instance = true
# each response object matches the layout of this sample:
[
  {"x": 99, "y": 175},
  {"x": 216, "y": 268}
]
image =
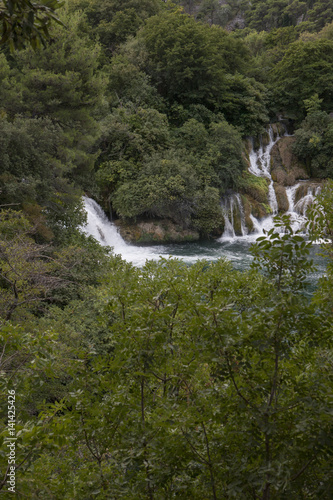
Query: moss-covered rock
[
  {"x": 157, "y": 232},
  {"x": 237, "y": 220},
  {"x": 247, "y": 146},
  {"x": 265, "y": 139},
  {"x": 258, "y": 210},
  {"x": 278, "y": 129},
  {"x": 256, "y": 187},
  {"x": 304, "y": 187},
  {"x": 286, "y": 168},
  {"x": 247, "y": 213},
  {"x": 256, "y": 143},
  {"x": 281, "y": 197}
]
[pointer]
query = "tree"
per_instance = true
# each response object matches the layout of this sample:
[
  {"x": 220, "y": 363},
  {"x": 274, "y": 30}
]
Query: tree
[
  {"x": 114, "y": 21},
  {"x": 314, "y": 139},
  {"x": 128, "y": 85},
  {"x": 305, "y": 69},
  {"x": 189, "y": 60},
  {"x": 27, "y": 274},
  {"x": 64, "y": 83}
]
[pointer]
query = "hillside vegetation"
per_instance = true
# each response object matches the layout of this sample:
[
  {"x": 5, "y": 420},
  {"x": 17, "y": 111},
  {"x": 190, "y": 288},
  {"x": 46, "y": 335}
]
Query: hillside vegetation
[{"x": 169, "y": 381}]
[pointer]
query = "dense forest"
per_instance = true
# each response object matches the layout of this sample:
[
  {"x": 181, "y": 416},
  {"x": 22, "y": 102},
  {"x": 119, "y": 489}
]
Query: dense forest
[{"x": 166, "y": 381}]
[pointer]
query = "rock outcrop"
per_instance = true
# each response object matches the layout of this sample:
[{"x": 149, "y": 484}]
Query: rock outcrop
[
  {"x": 286, "y": 168},
  {"x": 155, "y": 232}
]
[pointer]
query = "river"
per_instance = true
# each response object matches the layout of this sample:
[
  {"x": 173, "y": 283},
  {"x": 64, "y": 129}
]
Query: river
[{"x": 234, "y": 249}]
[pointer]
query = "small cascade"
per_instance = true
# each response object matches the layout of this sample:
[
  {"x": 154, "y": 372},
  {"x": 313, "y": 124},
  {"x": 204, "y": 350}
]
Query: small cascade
[
  {"x": 260, "y": 161},
  {"x": 297, "y": 209},
  {"x": 260, "y": 166},
  {"x": 99, "y": 226},
  {"x": 234, "y": 217},
  {"x": 228, "y": 214},
  {"x": 272, "y": 200},
  {"x": 244, "y": 229},
  {"x": 106, "y": 233},
  {"x": 302, "y": 205},
  {"x": 291, "y": 194}
]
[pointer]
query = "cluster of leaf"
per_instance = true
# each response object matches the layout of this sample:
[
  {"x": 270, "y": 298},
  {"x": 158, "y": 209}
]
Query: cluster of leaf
[
  {"x": 173, "y": 381},
  {"x": 25, "y": 22}
]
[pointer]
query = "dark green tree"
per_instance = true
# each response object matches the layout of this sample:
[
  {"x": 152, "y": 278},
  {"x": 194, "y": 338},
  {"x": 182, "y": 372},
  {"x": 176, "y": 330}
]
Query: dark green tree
[{"x": 305, "y": 70}]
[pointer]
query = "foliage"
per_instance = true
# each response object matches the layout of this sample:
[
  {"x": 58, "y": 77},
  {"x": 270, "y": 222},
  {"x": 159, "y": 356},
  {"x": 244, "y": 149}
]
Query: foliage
[
  {"x": 164, "y": 188},
  {"x": 141, "y": 176},
  {"x": 168, "y": 381},
  {"x": 33, "y": 274},
  {"x": 196, "y": 390},
  {"x": 284, "y": 256},
  {"x": 304, "y": 70},
  {"x": 113, "y": 21},
  {"x": 202, "y": 70},
  {"x": 24, "y": 21},
  {"x": 128, "y": 84},
  {"x": 314, "y": 140},
  {"x": 27, "y": 270},
  {"x": 320, "y": 216}
]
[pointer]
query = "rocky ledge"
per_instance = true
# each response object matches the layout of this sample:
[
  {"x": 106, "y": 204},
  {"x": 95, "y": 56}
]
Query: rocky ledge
[{"x": 159, "y": 231}]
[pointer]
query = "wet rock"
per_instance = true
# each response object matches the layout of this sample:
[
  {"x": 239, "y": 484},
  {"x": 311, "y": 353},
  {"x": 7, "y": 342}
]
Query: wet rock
[
  {"x": 256, "y": 187},
  {"x": 252, "y": 206},
  {"x": 278, "y": 129},
  {"x": 281, "y": 197},
  {"x": 265, "y": 139},
  {"x": 305, "y": 188},
  {"x": 286, "y": 168},
  {"x": 247, "y": 212},
  {"x": 237, "y": 221}
]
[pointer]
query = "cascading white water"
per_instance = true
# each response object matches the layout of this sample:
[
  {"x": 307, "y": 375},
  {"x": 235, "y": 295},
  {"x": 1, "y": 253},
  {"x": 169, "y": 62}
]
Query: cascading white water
[
  {"x": 229, "y": 205},
  {"x": 104, "y": 231},
  {"x": 302, "y": 205},
  {"x": 236, "y": 250},
  {"x": 260, "y": 165},
  {"x": 244, "y": 229},
  {"x": 228, "y": 214}
]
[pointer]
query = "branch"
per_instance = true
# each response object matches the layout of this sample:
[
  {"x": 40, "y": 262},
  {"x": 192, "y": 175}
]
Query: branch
[
  {"x": 202, "y": 459},
  {"x": 304, "y": 467},
  {"x": 236, "y": 387}
]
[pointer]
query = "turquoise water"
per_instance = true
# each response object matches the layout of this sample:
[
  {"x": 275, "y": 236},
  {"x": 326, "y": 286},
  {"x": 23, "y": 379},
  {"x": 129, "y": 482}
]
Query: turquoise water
[{"x": 237, "y": 251}]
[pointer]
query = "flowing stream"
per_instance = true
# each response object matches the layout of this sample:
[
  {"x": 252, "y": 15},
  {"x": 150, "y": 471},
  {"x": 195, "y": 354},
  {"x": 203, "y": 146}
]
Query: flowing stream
[
  {"x": 237, "y": 249},
  {"x": 232, "y": 247}
]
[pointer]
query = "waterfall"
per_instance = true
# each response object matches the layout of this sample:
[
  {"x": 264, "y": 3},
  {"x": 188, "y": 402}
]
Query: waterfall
[
  {"x": 235, "y": 223},
  {"x": 234, "y": 217},
  {"x": 302, "y": 204},
  {"x": 260, "y": 166},
  {"x": 104, "y": 231}
]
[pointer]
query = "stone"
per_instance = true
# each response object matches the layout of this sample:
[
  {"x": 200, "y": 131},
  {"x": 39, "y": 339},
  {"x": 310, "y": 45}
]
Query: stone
[{"x": 286, "y": 168}]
